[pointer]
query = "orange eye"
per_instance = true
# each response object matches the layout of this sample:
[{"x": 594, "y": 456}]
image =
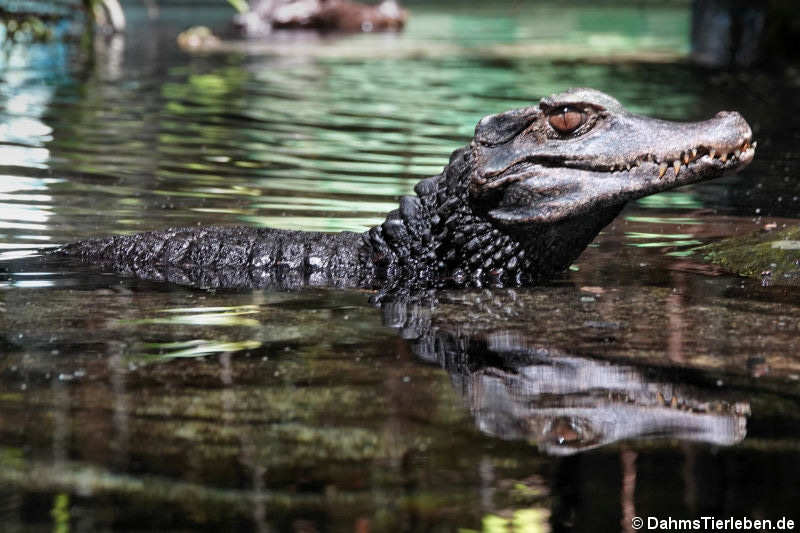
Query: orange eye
[{"x": 567, "y": 119}]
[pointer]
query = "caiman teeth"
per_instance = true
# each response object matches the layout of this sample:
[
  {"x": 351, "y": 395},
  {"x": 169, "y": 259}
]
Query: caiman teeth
[
  {"x": 687, "y": 157},
  {"x": 673, "y": 402}
]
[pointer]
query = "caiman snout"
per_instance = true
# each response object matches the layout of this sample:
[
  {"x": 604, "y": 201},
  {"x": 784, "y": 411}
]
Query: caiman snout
[
  {"x": 731, "y": 140},
  {"x": 733, "y": 121}
]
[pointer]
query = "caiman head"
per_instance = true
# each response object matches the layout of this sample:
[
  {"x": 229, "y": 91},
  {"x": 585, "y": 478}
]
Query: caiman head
[
  {"x": 544, "y": 180},
  {"x": 580, "y": 151}
]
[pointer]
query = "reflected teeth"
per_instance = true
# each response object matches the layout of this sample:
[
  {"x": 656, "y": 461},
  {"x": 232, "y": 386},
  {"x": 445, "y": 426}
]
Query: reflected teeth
[{"x": 662, "y": 169}]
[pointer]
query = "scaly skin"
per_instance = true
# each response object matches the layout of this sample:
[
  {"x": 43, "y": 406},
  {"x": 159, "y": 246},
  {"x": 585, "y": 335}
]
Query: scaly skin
[
  {"x": 517, "y": 205},
  {"x": 234, "y": 257}
]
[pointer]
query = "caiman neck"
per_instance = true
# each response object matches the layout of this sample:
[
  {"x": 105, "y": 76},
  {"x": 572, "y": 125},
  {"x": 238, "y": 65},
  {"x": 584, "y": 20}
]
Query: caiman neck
[
  {"x": 440, "y": 235},
  {"x": 436, "y": 236}
]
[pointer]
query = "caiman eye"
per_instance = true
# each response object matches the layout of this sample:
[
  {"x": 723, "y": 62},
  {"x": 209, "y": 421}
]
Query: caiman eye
[{"x": 566, "y": 119}]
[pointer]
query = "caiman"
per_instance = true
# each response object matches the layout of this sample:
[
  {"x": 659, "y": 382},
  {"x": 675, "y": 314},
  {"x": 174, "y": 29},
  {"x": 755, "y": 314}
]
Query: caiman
[{"x": 517, "y": 205}]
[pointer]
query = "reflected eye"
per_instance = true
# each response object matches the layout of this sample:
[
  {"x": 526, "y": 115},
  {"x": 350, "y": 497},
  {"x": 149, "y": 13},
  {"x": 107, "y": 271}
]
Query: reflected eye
[{"x": 567, "y": 119}]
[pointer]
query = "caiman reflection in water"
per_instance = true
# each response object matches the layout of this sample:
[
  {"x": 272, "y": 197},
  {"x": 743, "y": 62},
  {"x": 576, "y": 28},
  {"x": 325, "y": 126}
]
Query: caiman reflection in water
[{"x": 565, "y": 403}]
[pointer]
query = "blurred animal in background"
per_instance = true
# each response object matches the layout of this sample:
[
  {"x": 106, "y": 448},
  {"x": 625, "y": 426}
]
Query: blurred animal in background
[{"x": 261, "y": 16}]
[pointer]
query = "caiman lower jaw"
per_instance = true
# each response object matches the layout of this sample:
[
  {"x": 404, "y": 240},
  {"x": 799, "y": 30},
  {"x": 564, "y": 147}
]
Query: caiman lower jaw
[{"x": 549, "y": 194}]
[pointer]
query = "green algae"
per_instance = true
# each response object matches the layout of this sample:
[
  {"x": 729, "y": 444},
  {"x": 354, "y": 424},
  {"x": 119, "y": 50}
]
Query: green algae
[{"x": 772, "y": 256}]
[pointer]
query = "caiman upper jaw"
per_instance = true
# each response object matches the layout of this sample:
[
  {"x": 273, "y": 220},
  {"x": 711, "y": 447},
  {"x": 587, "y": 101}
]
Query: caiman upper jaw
[{"x": 726, "y": 137}]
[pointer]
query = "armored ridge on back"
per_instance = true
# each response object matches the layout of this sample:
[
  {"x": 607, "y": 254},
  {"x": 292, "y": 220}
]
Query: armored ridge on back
[{"x": 515, "y": 206}]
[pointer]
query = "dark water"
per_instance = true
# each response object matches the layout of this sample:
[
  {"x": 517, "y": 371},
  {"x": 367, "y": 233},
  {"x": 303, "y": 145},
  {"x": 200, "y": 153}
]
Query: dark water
[{"x": 643, "y": 383}]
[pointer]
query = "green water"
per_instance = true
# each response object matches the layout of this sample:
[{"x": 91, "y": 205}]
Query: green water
[{"x": 643, "y": 383}]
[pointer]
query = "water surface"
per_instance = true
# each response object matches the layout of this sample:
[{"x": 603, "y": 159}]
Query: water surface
[{"x": 643, "y": 382}]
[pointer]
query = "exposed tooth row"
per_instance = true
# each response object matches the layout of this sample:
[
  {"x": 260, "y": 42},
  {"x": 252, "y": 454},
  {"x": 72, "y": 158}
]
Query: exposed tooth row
[
  {"x": 691, "y": 155},
  {"x": 673, "y": 402},
  {"x": 684, "y": 158}
]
